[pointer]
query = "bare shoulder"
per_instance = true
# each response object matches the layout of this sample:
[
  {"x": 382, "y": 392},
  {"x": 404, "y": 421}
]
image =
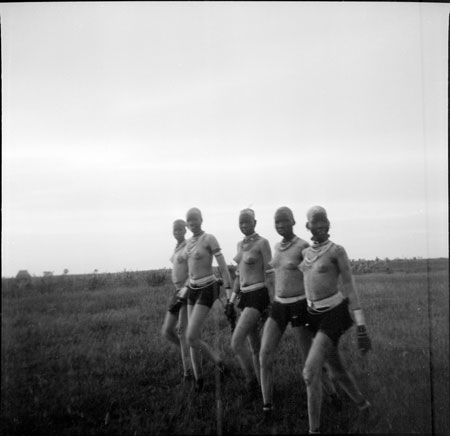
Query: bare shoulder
[
  {"x": 263, "y": 239},
  {"x": 303, "y": 244},
  {"x": 210, "y": 239},
  {"x": 339, "y": 250},
  {"x": 263, "y": 243}
]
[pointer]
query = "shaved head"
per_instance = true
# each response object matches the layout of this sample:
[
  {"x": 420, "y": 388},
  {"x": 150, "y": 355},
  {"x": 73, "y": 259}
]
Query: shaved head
[
  {"x": 284, "y": 212},
  {"x": 316, "y": 213},
  {"x": 247, "y": 212},
  {"x": 179, "y": 223},
  {"x": 193, "y": 212}
]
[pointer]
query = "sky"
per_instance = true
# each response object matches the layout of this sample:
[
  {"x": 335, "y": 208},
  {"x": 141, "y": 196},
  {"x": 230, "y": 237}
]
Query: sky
[{"x": 119, "y": 117}]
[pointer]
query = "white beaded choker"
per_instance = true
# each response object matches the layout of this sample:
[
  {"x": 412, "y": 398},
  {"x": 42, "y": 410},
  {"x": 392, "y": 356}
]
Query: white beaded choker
[{"x": 317, "y": 250}]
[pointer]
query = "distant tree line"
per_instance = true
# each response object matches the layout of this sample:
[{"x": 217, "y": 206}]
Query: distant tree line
[{"x": 50, "y": 282}]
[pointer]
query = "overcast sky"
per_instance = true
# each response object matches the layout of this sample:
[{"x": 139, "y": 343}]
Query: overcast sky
[{"x": 118, "y": 117}]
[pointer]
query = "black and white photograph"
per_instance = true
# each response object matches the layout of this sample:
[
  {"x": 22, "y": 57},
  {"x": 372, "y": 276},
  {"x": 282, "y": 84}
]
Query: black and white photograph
[{"x": 224, "y": 218}]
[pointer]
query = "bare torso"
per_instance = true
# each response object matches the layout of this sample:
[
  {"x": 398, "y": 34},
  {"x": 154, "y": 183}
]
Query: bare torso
[
  {"x": 180, "y": 266},
  {"x": 321, "y": 272},
  {"x": 199, "y": 253},
  {"x": 252, "y": 259},
  {"x": 286, "y": 261}
]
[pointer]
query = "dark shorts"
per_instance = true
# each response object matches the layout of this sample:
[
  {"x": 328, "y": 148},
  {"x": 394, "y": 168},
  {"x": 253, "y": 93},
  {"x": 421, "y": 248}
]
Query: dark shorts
[
  {"x": 204, "y": 296},
  {"x": 294, "y": 313},
  {"x": 333, "y": 322},
  {"x": 175, "y": 305},
  {"x": 258, "y": 299}
]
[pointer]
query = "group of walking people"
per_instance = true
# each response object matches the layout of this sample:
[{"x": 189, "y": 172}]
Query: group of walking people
[{"x": 297, "y": 285}]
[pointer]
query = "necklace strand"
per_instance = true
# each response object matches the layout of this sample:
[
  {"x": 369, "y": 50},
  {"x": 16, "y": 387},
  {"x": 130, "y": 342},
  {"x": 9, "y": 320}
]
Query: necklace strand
[
  {"x": 192, "y": 243},
  {"x": 249, "y": 239},
  {"x": 319, "y": 250},
  {"x": 285, "y": 245}
]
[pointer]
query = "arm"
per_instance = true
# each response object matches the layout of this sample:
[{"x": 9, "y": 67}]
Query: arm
[
  {"x": 215, "y": 250},
  {"x": 229, "y": 306},
  {"x": 224, "y": 271},
  {"x": 229, "y": 311},
  {"x": 236, "y": 284},
  {"x": 182, "y": 293},
  {"x": 349, "y": 288},
  {"x": 268, "y": 269},
  {"x": 270, "y": 282},
  {"x": 236, "y": 288}
]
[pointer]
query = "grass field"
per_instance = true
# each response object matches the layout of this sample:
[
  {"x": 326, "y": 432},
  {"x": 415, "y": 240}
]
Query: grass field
[{"x": 90, "y": 361}]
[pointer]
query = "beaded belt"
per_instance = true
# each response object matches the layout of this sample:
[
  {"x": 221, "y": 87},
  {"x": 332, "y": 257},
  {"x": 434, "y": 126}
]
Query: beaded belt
[
  {"x": 254, "y": 287},
  {"x": 327, "y": 303},
  {"x": 287, "y": 300},
  {"x": 204, "y": 281}
]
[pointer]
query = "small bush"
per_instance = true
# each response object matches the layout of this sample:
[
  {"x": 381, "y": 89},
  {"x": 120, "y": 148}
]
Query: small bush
[
  {"x": 46, "y": 284},
  {"x": 128, "y": 279},
  {"x": 157, "y": 277},
  {"x": 96, "y": 281}
]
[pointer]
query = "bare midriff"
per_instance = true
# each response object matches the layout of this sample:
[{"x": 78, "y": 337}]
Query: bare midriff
[
  {"x": 251, "y": 263},
  {"x": 288, "y": 277}
]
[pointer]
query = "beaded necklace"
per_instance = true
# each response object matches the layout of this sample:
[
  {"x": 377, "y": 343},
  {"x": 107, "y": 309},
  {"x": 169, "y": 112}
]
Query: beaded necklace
[
  {"x": 284, "y": 245},
  {"x": 249, "y": 239},
  {"x": 317, "y": 250}
]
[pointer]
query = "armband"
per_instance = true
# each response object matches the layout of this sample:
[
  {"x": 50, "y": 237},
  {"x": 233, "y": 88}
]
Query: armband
[
  {"x": 269, "y": 271},
  {"x": 359, "y": 317}
]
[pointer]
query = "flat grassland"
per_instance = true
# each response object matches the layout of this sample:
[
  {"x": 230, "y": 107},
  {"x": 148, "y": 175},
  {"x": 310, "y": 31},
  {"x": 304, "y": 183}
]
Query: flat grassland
[{"x": 90, "y": 360}]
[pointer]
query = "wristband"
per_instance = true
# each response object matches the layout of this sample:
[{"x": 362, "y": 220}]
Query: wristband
[
  {"x": 359, "y": 317},
  {"x": 233, "y": 297}
]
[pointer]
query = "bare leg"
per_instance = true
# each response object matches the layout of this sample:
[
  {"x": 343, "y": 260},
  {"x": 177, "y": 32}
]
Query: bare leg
[
  {"x": 305, "y": 338},
  {"x": 194, "y": 329},
  {"x": 327, "y": 384},
  {"x": 254, "y": 339},
  {"x": 247, "y": 323},
  {"x": 196, "y": 359},
  {"x": 343, "y": 377},
  {"x": 168, "y": 330},
  {"x": 312, "y": 374},
  {"x": 184, "y": 347},
  {"x": 270, "y": 340}
]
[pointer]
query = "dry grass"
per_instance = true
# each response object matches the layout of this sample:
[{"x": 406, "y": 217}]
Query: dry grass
[{"x": 79, "y": 362}]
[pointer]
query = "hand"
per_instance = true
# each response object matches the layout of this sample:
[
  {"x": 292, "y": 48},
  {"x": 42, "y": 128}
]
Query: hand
[
  {"x": 229, "y": 311},
  {"x": 230, "y": 314},
  {"x": 364, "y": 343},
  {"x": 175, "y": 307},
  {"x": 219, "y": 281},
  {"x": 182, "y": 294}
]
